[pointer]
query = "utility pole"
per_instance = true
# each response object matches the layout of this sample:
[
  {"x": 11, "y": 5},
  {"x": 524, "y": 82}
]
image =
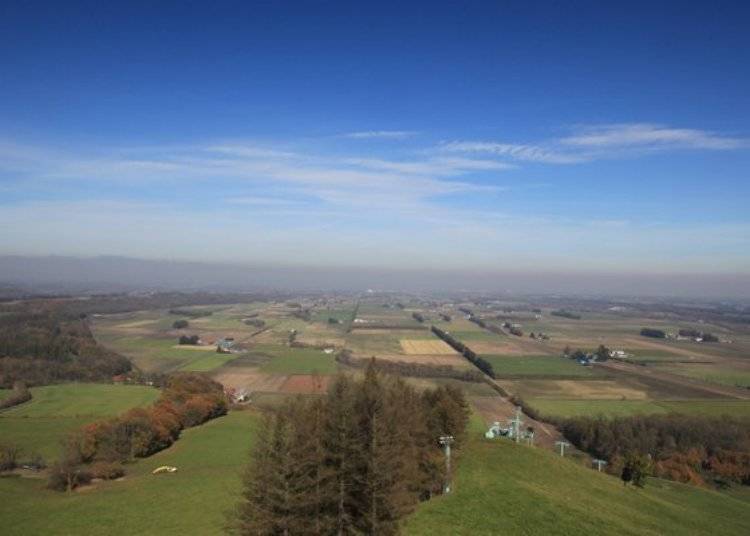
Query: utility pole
[
  {"x": 516, "y": 423},
  {"x": 562, "y": 445},
  {"x": 599, "y": 463},
  {"x": 447, "y": 441}
]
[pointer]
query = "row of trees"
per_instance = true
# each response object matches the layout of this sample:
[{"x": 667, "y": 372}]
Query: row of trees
[
  {"x": 99, "y": 449},
  {"x": 410, "y": 368},
  {"x": 564, "y": 314},
  {"x": 602, "y": 353},
  {"x": 191, "y": 313},
  {"x": 479, "y": 362},
  {"x": 691, "y": 449},
  {"x": 354, "y": 462},
  {"x": 653, "y": 333}
]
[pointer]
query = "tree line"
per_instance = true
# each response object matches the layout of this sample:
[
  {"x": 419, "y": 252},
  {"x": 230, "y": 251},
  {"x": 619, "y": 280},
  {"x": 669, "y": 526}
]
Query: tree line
[
  {"x": 410, "y": 368},
  {"x": 48, "y": 344},
  {"x": 693, "y": 449},
  {"x": 99, "y": 449},
  {"x": 479, "y": 362},
  {"x": 356, "y": 461}
]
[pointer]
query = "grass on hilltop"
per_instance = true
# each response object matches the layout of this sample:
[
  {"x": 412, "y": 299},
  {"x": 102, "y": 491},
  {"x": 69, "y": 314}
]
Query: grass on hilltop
[
  {"x": 209, "y": 460},
  {"x": 39, "y": 425},
  {"x": 504, "y": 488}
]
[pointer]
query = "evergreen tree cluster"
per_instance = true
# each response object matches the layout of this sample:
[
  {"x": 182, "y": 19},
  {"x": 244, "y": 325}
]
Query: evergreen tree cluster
[{"x": 354, "y": 462}]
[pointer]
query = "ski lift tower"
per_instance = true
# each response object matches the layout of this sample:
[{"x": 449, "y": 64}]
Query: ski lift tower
[
  {"x": 515, "y": 422},
  {"x": 562, "y": 445},
  {"x": 447, "y": 441},
  {"x": 599, "y": 463}
]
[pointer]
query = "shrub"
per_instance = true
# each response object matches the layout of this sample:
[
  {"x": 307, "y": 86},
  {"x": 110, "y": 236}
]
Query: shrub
[
  {"x": 65, "y": 476},
  {"x": 107, "y": 470},
  {"x": 189, "y": 339},
  {"x": 180, "y": 324},
  {"x": 9, "y": 454},
  {"x": 653, "y": 333}
]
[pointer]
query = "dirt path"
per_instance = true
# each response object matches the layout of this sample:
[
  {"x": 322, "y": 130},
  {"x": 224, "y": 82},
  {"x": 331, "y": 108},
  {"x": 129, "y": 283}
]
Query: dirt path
[{"x": 648, "y": 372}]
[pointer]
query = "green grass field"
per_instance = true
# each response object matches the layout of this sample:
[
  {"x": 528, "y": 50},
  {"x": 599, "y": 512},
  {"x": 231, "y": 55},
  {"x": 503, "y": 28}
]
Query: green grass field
[
  {"x": 517, "y": 366},
  {"x": 724, "y": 375},
  {"x": 207, "y": 361},
  {"x": 622, "y": 408},
  {"x": 153, "y": 353},
  {"x": 503, "y": 488},
  {"x": 193, "y": 500},
  {"x": 466, "y": 336},
  {"x": 286, "y": 360},
  {"x": 39, "y": 425}
]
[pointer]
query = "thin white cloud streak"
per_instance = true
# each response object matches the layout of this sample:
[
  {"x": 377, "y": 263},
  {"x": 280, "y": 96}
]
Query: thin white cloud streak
[
  {"x": 386, "y": 134},
  {"x": 524, "y": 152},
  {"x": 436, "y": 166},
  {"x": 650, "y": 136},
  {"x": 588, "y": 143}
]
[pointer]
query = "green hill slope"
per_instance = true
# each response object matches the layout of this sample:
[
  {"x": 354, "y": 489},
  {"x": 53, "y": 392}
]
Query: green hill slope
[{"x": 503, "y": 488}]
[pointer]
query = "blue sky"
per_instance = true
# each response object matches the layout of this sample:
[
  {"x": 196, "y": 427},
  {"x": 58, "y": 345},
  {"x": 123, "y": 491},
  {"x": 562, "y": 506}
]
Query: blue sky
[{"x": 498, "y": 135}]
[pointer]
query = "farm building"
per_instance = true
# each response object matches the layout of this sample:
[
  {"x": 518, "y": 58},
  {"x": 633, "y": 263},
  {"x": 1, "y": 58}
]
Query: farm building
[{"x": 225, "y": 345}]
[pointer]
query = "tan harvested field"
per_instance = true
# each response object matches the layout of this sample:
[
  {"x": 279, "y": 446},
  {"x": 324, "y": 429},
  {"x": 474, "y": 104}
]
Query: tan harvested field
[
  {"x": 204, "y": 348},
  {"x": 574, "y": 389},
  {"x": 251, "y": 379},
  {"x": 305, "y": 384},
  {"x": 676, "y": 380},
  {"x": 454, "y": 360},
  {"x": 425, "y": 347}
]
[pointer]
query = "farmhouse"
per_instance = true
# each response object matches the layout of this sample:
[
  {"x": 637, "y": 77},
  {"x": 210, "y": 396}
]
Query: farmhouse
[{"x": 225, "y": 345}]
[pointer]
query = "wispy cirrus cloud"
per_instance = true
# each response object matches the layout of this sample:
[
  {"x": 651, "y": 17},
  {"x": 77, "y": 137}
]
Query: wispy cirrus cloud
[
  {"x": 251, "y": 171},
  {"x": 514, "y": 151},
  {"x": 650, "y": 136},
  {"x": 596, "y": 142}
]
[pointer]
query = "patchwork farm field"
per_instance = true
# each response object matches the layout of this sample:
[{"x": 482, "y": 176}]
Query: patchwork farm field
[
  {"x": 623, "y": 408},
  {"x": 426, "y": 347},
  {"x": 531, "y": 366},
  {"x": 39, "y": 425},
  {"x": 194, "y": 500}
]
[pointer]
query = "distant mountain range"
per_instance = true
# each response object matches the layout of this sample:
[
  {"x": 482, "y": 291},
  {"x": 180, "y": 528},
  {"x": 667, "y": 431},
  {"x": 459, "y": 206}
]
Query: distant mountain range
[{"x": 111, "y": 274}]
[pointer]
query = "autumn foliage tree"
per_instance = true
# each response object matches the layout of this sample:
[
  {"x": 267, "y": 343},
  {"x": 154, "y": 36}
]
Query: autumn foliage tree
[{"x": 186, "y": 400}]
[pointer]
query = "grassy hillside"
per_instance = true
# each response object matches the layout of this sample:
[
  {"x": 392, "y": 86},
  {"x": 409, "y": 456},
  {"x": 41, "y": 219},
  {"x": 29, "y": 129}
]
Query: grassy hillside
[
  {"x": 55, "y": 410},
  {"x": 193, "y": 500},
  {"x": 502, "y": 488}
]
